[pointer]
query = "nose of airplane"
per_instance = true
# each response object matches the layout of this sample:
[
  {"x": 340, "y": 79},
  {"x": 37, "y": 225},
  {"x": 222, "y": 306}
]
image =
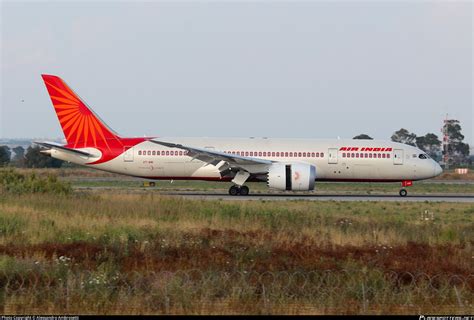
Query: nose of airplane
[{"x": 437, "y": 169}]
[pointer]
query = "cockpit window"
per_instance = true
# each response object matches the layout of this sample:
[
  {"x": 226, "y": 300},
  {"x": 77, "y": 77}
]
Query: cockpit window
[{"x": 423, "y": 156}]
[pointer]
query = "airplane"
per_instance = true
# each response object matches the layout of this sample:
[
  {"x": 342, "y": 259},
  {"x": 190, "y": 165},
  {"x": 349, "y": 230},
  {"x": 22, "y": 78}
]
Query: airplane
[{"x": 284, "y": 164}]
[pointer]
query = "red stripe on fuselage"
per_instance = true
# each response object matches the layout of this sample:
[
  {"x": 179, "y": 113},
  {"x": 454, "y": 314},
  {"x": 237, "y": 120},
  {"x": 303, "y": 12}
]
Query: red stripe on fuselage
[{"x": 227, "y": 179}]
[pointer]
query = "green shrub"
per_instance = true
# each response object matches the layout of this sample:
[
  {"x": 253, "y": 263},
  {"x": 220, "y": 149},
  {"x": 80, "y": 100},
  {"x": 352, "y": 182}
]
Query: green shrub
[{"x": 14, "y": 182}]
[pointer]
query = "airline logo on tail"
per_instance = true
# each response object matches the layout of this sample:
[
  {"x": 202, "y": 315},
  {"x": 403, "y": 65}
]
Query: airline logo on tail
[{"x": 81, "y": 126}]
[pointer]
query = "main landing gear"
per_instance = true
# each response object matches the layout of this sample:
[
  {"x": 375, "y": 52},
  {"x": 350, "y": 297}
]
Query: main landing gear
[
  {"x": 236, "y": 190},
  {"x": 407, "y": 183}
]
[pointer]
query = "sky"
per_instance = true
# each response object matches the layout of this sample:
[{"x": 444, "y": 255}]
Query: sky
[{"x": 308, "y": 69}]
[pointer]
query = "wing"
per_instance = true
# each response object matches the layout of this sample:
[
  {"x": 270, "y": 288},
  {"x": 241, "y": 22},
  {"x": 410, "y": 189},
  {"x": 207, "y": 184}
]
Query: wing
[{"x": 214, "y": 157}]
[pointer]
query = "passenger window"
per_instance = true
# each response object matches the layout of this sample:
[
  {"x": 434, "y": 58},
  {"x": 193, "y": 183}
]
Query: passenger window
[
  {"x": 286, "y": 154},
  {"x": 139, "y": 152},
  {"x": 299, "y": 154},
  {"x": 273, "y": 154},
  {"x": 264, "y": 153},
  {"x": 167, "y": 153},
  {"x": 370, "y": 155},
  {"x": 154, "y": 153},
  {"x": 322, "y": 154},
  {"x": 379, "y": 156},
  {"x": 304, "y": 154},
  {"x": 388, "y": 155},
  {"x": 260, "y": 153},
  {"x": 149, "y": 152}
]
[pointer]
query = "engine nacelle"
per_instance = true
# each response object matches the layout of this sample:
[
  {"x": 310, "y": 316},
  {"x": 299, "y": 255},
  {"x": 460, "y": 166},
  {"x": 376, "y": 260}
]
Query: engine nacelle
[{"x": 293, "y": 176}]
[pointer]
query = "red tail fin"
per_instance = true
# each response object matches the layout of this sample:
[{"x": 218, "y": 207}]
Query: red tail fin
[{"x": 81, "y": 126}]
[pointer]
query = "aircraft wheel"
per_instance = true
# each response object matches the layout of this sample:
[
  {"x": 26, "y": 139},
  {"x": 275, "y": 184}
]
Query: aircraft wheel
[
  {"x": 244, "y": 191},
  {"x": 234, "y": 191},
  {"x": 403, "y": 193}
]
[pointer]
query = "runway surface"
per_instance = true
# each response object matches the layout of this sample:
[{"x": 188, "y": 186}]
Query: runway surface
[{"x": 321, "y": 197}]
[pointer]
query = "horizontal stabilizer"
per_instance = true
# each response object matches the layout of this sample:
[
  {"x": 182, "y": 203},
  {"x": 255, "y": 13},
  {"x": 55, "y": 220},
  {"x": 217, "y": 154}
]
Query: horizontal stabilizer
[{"x": 62, "y": 148}]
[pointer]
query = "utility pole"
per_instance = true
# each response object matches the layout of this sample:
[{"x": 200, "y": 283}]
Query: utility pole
[{"x": 444, "y": 130}]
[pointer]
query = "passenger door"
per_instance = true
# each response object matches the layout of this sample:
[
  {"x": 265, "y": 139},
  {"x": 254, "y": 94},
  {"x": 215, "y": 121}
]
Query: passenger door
[
  {"x": 398, "y": 156},
  {"x": 332, "y": 155},
  {"x": 128, "y": 154}
]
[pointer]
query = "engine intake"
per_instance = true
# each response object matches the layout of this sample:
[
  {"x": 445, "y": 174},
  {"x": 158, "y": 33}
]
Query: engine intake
[{"x": 294, "y": 176}]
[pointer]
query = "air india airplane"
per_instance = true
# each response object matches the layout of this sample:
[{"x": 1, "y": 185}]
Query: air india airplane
[{"x": 284, "y": 164}]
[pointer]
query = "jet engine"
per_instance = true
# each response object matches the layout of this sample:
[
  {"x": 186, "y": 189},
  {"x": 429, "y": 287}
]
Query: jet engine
[{"x": 293, "y": 176}]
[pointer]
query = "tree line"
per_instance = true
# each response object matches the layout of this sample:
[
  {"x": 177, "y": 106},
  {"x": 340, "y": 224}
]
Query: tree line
[{"x": 29, "y": 158}]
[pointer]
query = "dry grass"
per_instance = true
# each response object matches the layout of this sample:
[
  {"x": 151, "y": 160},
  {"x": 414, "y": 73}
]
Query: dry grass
[{"x": 135, "y": 234}]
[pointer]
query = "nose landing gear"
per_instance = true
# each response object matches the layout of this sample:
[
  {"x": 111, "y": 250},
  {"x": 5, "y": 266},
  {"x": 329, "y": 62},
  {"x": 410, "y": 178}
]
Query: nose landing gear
[
  {"x": 407, "y": 183},
  {"x": 236, "y": 190}
]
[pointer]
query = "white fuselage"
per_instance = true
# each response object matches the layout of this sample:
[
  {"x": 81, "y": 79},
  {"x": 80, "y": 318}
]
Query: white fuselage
[{"x": 334, "y": 160}]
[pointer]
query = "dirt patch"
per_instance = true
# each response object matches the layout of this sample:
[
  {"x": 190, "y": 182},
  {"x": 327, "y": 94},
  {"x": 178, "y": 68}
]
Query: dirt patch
[
  {"x": 236, "y": 251},
  {"x": 78, "y": 251}
]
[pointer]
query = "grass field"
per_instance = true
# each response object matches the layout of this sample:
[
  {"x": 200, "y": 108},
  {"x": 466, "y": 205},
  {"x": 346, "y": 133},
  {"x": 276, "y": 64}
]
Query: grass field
[
  {"x": 87, "y": 178},
  {"x": 423, "y": 188},
  {"x": 112, "y": 251}
]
